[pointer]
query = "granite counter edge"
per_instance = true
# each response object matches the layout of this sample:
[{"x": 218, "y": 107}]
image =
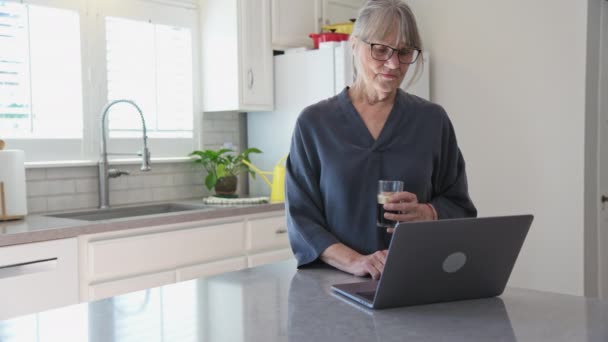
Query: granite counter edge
[{"x": 79, "y": 228}]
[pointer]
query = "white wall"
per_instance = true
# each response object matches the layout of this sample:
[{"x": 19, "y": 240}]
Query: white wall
[{"x": 511, "y": 75}]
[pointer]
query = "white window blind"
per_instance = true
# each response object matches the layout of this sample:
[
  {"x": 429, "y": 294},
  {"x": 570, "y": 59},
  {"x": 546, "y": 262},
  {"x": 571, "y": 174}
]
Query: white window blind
[
  {"x": 40, "y": 73},
  {"x": 152, "y": 65}
]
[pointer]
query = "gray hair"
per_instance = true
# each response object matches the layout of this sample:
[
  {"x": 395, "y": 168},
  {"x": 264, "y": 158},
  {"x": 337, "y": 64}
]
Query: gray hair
[{"x": 377, "y": 18}]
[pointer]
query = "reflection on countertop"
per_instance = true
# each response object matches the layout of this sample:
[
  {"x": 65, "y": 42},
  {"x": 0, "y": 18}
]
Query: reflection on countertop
[
  {"x": 37, "y": 228},
  {"x": 475, "y": 320},
  {"x": 279, "y": 303}
]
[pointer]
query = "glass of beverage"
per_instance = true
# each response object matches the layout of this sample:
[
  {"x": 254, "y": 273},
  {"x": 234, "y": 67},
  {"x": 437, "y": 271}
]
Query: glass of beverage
[{"x": 385, "y": 189}]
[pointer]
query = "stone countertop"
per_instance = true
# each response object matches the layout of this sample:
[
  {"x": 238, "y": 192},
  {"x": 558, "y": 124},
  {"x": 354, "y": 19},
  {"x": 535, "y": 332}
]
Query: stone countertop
[
  {"x": 279, "y": 303},
  {"x": 38, "y": 228}
]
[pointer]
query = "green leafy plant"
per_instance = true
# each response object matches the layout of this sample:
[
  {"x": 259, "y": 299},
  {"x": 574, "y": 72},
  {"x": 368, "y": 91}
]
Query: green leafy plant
[{"x": 223, "y": 163}]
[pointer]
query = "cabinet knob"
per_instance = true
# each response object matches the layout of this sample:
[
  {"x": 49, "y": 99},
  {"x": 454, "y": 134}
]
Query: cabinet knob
[
  {"x": 281, "y": 231},
  {"x": 250, "y": 79}
]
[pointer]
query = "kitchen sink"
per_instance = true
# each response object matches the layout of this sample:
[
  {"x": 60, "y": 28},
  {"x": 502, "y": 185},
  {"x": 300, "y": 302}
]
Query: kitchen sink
[{"x": 125, "y": 212}]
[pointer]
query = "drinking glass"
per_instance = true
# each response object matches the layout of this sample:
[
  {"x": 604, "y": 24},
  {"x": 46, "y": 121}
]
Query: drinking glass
[{"x": 386, "y": 188}]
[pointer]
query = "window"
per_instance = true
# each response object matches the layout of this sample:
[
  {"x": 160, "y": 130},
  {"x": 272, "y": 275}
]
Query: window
[
  {"x": 61, "y": 61},
  {"x": 152, "y": 65},
  {"x": 40, "y": 72}
]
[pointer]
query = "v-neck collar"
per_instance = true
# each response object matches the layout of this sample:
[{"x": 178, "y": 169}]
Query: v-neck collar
[{"x": 387, "y": 129}]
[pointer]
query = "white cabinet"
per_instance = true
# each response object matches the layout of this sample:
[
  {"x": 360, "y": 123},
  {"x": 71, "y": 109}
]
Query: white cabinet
[
  {"x": 256, "y": 55},
  {"x": 263, "y": 258},
  {"x": 182, "y": 245},
  {"x": 117, "y": 287},
  {"x": 38, "y": 276},
  {"x": 267, "y": 241},
  {"x": 236, "y": 55},
  {"x": 340, "y": 11},
  {"x": 211, "y": 268},
  {"x": 294, "y": 20},
  {"x": 114, "y": 263},
  {"x": 120, "y": 262}
]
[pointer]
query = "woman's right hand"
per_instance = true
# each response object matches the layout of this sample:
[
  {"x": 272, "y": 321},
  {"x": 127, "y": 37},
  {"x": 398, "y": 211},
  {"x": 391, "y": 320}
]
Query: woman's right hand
[
  {"x": 348, "y": 260},
  {"x": 372, "y": 264}
]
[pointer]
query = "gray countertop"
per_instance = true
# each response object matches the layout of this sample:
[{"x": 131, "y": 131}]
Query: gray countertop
[
  {"x": 37, "y": 228},
  {"x": 278, "y": 303}
]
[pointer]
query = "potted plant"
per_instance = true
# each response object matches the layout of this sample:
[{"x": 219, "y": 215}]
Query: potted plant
[{"x": 222, "y": 167}]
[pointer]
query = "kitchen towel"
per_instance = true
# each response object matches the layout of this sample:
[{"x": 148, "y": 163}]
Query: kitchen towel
[
  {"x": 235, "y": 201},
  {"x": 13, "y": 203}
]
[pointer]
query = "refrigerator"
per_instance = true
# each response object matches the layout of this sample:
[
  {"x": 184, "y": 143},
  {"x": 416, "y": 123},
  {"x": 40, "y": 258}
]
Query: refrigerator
[{"x": 302, "y": 78}]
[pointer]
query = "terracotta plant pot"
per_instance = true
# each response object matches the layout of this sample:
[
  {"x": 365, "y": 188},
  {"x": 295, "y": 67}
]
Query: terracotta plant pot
[{"x": 226, "y": 185}]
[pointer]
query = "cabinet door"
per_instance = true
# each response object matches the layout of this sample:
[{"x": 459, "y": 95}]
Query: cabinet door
[
  {"x": 269, "y": 257},
  {"x": 256, "y": 55},
  {"x": 38, "y": 276},
  {"x": 267, "y": 233},
  {"x": 293, "y": 21},
  {"x": 211, "y": 268},
  {"x": 114, "y": 258},
  {"x": 340, "y": 11},
  {"x": 118, "y": 287}
]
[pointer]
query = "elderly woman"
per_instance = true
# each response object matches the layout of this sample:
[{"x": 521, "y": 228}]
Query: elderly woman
[{"x": 342, "y": 147}]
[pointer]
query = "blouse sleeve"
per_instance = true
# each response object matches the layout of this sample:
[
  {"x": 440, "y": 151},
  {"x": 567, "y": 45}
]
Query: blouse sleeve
[
  {"x": 450, "y": 189},
  {"x": 306, "y": 222}
]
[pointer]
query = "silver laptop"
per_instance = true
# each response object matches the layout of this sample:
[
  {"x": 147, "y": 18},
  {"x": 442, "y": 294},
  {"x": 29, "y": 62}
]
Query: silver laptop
[{"x": 444, "y": 260}]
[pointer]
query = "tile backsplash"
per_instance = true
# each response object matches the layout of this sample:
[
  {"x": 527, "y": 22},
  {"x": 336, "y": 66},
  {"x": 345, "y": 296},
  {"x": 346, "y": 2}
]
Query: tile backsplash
[
  {"x": 220, "y": 128},
  {"x": 69, "y": 188},
  {"x": 59, "y": 189}
]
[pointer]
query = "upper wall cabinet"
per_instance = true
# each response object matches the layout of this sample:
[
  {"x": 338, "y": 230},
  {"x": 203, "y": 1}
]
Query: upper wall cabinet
[
  {"x": 236, "y": 55},
  {"x": 340, "y": 11},
  {"x": 294, "y": 20}
]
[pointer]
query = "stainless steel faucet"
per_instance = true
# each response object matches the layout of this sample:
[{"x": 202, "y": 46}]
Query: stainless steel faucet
[{"x": 104, "y": 173}]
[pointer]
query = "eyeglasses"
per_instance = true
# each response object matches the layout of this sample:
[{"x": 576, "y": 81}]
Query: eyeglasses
[{"x": 382, "y": 52}]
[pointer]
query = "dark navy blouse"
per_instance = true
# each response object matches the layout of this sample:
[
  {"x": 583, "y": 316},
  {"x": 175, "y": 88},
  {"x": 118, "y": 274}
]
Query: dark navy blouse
[{"x": 334, "y": 166}]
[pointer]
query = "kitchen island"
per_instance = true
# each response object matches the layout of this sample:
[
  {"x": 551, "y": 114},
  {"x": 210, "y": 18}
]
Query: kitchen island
[{"x": 279, "y": 303}]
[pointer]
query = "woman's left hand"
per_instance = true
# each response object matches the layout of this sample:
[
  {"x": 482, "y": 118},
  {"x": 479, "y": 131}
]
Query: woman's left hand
[{"x": 405, "y": 208}]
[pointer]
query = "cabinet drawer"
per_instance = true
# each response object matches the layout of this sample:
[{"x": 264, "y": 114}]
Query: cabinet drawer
[
  {"x": 38, "y": 276},
  {"x": 267, "y": 233},
  {"x": 269, "y": 257},
  {"x": 118, "y": 287},
  {"x": 211, "y": 268},
  {"x": 114, "y": 258}
]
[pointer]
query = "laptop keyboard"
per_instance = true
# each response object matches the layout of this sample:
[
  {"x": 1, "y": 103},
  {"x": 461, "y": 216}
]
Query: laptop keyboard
[{"x": 369, "y": 295}]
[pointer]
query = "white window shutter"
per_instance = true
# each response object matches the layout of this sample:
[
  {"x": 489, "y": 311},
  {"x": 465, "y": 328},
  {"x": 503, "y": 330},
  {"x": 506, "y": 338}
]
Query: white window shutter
[{"x": 152, "y": 65}]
